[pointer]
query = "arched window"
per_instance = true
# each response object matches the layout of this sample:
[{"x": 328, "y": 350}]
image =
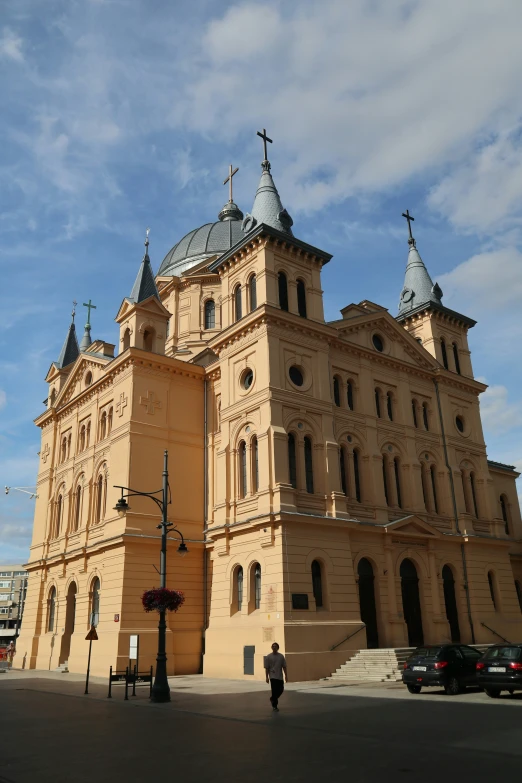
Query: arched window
[
  {"x": 242, "y": 469},
  {"x": 385, "y": 481},
  {"x": 109, "y": 421},
  {"x": 518, "y": 588},
  {"x": 317, "y": 583},
  {"x": 95, "y": 602},
  {"x": 336, "y": 391},
  {"x": 103, "y": 425},
  {"x": 356, "y": 475},
  {"x": 425, "y": 416},
  {"x": 473, "y": 493},
  {"x": 456, "y": 357},
  {"x": 292, "y": 461},
  {"x": 378, "y": 402},
  {"x": 210, "y": 314},
  {"x": 491, "y": 582},
  {"x": 283, "y": 290},
  {"x": 99, "y": 498},
  {"x": 396, "y": 470},
  {"x": 239, "y": 588},
  {"x": 148, "y": 340},
  {"x": 425, "y": 493},
  {"x": 88, "y": 434},
  {"x": 252, "y": 289},
  {"x": 301, "y": 298},
  {"x": 309, "y": 466},
  {"x": 238, "y": 309},
  {"x": 53, "y": 396},
  {"x": 257, "y": 586},
  {"x": 444, "y": 352},
  {"x": 389, "y": 405},
  {"x": 59, "y": 512},
  {"x": 349, "y": 395},
  {"x": 414, "y": 412},
  {"x": 64, "y": 448},
  {"x": 126, "y": 339},
  {"x": 78, "y": 507},
  {"x": 503, "y": 507},
  {"x": 69, "y": 439},
  {"x": 342, "y": 470},
  {"x": 254, "y": 450},
  {"x": 51, "y": 609},
  {"x": 433, "y": 476}
]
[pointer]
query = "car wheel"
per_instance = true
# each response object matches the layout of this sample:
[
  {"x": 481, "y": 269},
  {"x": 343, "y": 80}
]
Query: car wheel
[
  {"x": 452, "y": 687},
  {"x": 414, "y": 688},
  {"x": 493, "y": 693}
]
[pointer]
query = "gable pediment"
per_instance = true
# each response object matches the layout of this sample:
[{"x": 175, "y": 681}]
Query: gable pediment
[
  {"x": 70, "y": 389},
  {"x": 413, "y": 526},
  {"x": 150, "y": 305}
]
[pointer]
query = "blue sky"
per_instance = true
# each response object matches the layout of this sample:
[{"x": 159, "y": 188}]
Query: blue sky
[{"x": 123, "y": 114}]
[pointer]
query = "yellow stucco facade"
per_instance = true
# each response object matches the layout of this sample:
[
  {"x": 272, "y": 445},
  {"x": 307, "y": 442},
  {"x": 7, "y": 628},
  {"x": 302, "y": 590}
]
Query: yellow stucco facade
[{"x": 330, "y": 479}]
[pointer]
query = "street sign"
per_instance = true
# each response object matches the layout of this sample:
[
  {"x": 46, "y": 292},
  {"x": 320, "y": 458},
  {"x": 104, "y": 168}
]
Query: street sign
[{"x": 92, "y": 636}]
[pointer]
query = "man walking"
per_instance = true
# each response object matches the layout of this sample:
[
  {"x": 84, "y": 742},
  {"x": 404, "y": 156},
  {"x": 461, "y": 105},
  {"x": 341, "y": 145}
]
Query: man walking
[{"x": 275, "y": 665}]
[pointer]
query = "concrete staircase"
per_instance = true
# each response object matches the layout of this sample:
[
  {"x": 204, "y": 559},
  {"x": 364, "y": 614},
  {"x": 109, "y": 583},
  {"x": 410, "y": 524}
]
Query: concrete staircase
[{"x": 373, "y": 666}]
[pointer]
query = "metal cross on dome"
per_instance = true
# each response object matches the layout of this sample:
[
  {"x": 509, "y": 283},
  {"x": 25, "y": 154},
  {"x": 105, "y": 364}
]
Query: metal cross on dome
[
  {"x": 89, "y": 307},
  {"x": 265, "y": 139},
  {"x": 409, "y": 218},
  {"x": 229, "y": 179}
]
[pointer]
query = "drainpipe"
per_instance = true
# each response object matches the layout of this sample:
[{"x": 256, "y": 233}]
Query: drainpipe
[
  {"x": 205, "y": 519},
  {"x": 455, "y": 513}
]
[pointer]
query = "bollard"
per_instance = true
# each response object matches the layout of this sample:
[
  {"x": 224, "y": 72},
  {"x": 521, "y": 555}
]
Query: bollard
[
  {"x": 109, "y": 695},
  {"x": 134, "y": 681},
  {"x": 127, "y": 684},
  {"x": 150, "y": 692}
]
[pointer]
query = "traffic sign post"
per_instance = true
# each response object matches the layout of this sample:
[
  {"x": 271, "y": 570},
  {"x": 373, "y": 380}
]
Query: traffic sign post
[{"x": 92, "y": 636}]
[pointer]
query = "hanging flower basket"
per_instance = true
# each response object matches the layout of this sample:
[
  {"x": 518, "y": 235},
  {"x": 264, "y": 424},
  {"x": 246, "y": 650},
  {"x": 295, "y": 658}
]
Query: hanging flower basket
[{"x": 161, "y": 598}]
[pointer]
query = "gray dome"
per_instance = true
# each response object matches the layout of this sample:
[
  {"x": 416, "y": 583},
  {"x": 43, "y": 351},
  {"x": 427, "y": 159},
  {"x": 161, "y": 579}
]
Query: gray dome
[{"x": 210, "y": 240}]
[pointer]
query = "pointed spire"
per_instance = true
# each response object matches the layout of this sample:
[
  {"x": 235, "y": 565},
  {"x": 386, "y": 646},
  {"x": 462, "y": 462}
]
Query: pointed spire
[
  {"x": 70, "y": 350},
  {"x": 418, "y": 288},
  {"x": 268, "y": 208},
  {"x": 144, "y": 285},
  {"x": 86, "y": 339}
]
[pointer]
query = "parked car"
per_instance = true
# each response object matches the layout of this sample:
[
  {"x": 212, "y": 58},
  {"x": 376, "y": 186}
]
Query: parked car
[
  {"x": 449, "y": 666},
  {"x": 500, "y": 669}
]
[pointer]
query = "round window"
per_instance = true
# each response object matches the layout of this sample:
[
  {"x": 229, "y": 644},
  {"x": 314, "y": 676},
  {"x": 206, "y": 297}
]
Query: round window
[
  {"x": 377, "y": 343},
  {"x": 247, "y": 379},
  {"x": 296, "y": 376},
  {"x": 459, "y": 422}
]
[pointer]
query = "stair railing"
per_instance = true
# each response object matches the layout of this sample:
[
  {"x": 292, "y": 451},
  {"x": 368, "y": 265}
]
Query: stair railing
[
  {"x": 348, "y": 637},
  {"x": 496, "y": 633}
]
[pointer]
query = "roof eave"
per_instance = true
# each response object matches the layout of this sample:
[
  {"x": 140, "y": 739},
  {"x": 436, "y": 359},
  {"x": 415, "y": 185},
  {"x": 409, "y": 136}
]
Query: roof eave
[{"x": 469, "y": 322}]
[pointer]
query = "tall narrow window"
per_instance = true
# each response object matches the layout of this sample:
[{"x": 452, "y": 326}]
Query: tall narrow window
[
  {"x": 237, "y": 303},
  {"x": 456, "y": 357},
  {"x": 252, "y": 285},
  {"x": 378, "y": 402},
  {"x": 78, "y": 507},
  {"x": 148, "y": 340},
  {"x": 385, "y": 481},
  {"x": 257, "y": 586},
  {"x": 309, "y": 465},
  {"x": 503, "y": 508},
  {"x": 336, "y": 392},
  {"x": 466, "y": 498},
  {"x": 109, "y": 421},
  {"x": 473, "y": 493},
  {"x": 210, "y": 314},
  {"x": 59, "y": 510},
  {"x": 88, "y": 434},
  {"x": 396, "y": 470},
  {"x": 414, "y": 412},
  {"x": 492, "y": 589},
  {"x": 444, "y": 352},
  {"x": 255, "y": 464},
  {"x": 64, "y": 448},
  {"x": 342, "y": 469},
  {"x": 518, "y": 588},
  {"x": 82, "y": 437},
  {"x": 349, "y": 395},
  {"x": 356, "y": 475},
  {"x": 69, "y": 439},
  {"x": 283, "y": 290},
  {"x": 99, "y": 498},
  {"x": 301, "y": 298},
  {"x": 239, "y": 588},
  {"x": 425, "y": 493},
  {"x": 425, "y": 418},
  {"x": 434, "y": 488},
  {"x": 292, "y": 462},
  {"x": 317, "y": 583},
  {"x": 52, "y": 609},
  {"x": 95, "y": 603},
  {"x": 389, "y": 405},
  {"x": 242, "y": 470},
  {"x": 103, "y": 425}
]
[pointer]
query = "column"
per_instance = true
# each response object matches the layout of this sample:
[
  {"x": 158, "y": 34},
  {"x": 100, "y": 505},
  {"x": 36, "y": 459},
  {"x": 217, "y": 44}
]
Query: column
[
  {"x": 392, "y": 486},
  {"x": 392, "y": 594},
  {"x": 435, "y": 596},
  {"x": 350, "y": 474}
]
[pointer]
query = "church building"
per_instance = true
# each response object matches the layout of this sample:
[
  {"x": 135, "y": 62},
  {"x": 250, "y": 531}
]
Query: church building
[{"x": 329, "y": 478}]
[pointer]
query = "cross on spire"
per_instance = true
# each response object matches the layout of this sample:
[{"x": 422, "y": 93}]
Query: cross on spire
[
  {"x": 74, "y": 309},
  {"x": 229, "y": 179},
  {"x": 409, "y": 218},
  {"x": 146, "y": 243},
  {"x": 89, "y": 307},
  {"x": 265, "y": 139}
]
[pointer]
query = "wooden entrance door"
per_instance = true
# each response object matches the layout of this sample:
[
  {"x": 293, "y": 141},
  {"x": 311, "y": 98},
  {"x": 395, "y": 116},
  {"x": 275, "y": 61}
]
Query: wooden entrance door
[
  {"x": 451, "y": 603},
  {"x": 411, "y": 603}
]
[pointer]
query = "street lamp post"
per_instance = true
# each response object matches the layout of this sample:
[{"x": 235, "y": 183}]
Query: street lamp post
[{"x": 160, "y": 688}]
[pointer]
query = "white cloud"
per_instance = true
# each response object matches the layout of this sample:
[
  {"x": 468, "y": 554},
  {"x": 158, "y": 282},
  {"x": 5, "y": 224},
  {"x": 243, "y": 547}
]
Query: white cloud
[
  {"x": 11, "y": 45},
  {"x": 499, "y": 415},
  {"x": 3, "y": 398},
  {"x": 486, "y": 282}
]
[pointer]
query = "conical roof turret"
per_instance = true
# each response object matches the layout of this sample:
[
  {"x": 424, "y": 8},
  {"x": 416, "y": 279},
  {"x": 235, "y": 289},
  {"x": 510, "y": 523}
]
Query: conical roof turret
[
  {"x": 419, "y": 289},
  {"x": 70, "y": 350},
  {"x": 268, "y": 208},
  {"x": 144, "y": 285}
]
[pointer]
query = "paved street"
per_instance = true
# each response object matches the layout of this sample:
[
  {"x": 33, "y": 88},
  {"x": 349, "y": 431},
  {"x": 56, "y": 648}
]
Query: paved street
[{"x": 225, "y": 730}]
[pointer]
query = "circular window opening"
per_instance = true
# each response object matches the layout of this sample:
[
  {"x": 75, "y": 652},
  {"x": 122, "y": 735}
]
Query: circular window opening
[
  {"x": 296, "y": 376},
  {"x": 459, "y": 421},
  {"x": 247, "y": 379},
  {"x": 377, "y": 343},
  {"x": 88, "y": 379}
]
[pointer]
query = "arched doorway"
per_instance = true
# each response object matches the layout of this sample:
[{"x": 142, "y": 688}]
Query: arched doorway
[
  {"x": 451, "y": 603},
  {"x": 70, "y": 615},
  {"x": 367, "y": 601},
  {"x": 411, "y": 603}
]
